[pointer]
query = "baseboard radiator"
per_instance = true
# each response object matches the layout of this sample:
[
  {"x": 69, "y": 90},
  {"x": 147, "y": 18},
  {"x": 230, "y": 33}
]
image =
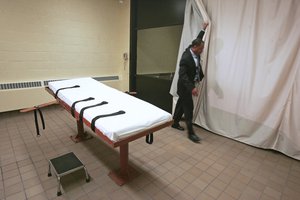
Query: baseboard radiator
[{"x": 18, "y": 95}]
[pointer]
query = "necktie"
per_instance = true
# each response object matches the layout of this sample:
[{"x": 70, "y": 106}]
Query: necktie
[{"x": 197, "y": 75}]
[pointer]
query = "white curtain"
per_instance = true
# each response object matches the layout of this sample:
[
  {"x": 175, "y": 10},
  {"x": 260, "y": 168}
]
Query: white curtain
[{"x": 251, "y": 90}]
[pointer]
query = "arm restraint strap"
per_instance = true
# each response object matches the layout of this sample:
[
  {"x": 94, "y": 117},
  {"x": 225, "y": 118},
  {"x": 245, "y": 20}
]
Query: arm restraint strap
[
  {"x": 73, "y": 105},
  {"x": 56, "y": 93},
  {"x": 105, "y": 115},
  {"x": 36, "y": 120},
  {"x": 149, "y": 138},
  {"x": 83, "y": 109}
]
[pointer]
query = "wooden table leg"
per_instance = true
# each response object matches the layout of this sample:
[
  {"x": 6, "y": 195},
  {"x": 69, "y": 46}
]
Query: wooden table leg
[
  {"x": 81, "y": 135},
  {"x": 124, "y": 160},
  {"x": 125, "y": 173},
  {"x": 80, "y": 128}
]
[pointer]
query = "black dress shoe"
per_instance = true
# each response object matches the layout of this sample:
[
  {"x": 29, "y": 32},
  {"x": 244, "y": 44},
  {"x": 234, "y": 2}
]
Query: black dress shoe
[
  {"x": 178, "y": 127},
  {"x": 194, "y": 138}
]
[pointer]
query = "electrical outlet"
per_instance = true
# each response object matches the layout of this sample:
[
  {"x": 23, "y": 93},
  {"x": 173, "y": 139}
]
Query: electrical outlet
[{"x": 125, "y": 56}]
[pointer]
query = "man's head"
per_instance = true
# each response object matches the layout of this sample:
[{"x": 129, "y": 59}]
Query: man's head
[{"x": 197, "y": 46}]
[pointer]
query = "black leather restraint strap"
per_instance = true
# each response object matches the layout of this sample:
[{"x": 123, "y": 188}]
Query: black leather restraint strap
[
  {"x": 71, "y": 87},
  {"x": 83, "y": 109},
  {"x": 82, "y": 100},
  {"x": 105, "y": 115},
  {"x": 36, "y": 120},
  {"x": 149, "y": 138}
]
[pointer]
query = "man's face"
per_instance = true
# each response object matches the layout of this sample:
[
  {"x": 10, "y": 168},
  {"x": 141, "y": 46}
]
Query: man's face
[{"x": 197, "y": 49}]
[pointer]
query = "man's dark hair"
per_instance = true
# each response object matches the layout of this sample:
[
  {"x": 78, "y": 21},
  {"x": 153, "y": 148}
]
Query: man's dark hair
[{"x": 197, "y": 42}]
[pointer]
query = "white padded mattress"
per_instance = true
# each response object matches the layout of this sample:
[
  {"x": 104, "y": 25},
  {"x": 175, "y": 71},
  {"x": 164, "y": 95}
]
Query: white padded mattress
[{"x": 139, "y": 115}]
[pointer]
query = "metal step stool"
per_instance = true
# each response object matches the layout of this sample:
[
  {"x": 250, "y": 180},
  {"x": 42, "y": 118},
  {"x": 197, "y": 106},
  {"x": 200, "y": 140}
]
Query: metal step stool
[{"x": 66, "y": 164}]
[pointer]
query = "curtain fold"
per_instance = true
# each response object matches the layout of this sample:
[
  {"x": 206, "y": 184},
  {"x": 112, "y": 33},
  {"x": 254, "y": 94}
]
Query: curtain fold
[{"x": 251, "y": 89}]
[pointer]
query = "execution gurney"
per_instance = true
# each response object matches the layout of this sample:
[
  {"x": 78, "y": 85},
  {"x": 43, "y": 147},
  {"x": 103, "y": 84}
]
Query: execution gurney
[{"x": 115, "y": 117}]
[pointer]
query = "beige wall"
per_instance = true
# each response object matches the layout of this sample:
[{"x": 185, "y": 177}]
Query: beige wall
[
  {"x": 53, "y": 39},
  {"x": 157, "y": 49}
]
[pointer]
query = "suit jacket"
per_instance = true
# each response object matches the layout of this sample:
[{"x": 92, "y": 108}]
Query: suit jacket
[{"x": 187, "y": 72}]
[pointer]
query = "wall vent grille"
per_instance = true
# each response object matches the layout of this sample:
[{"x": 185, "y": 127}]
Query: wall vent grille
[
  {"x": 106, "y": 78},
  {"x": 20, "y": 85},
  {"x": 47, "y": 81},
  {"x": 36, "y": 84}
]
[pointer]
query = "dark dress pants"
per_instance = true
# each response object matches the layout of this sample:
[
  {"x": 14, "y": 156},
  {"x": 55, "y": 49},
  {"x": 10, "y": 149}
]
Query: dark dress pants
[{"x": 185, "y": 106}]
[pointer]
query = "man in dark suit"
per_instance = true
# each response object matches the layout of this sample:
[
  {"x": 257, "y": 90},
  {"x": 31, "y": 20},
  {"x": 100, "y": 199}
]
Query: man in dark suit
[{"x": 190, "y": 72}]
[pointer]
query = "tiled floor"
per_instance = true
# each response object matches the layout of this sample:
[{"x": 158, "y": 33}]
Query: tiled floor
[{"x": 171, "y": 168}]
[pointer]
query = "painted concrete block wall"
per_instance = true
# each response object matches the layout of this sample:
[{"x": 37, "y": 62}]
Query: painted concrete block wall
[{"x": 58, "y": 39}]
